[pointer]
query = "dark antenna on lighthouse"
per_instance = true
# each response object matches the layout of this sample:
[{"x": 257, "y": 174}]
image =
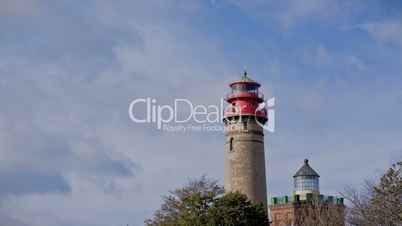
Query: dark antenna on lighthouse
[{"x": 245, "y": 69}]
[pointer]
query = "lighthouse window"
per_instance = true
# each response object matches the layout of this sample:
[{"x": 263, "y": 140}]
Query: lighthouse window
[
  {"x": 252, "y": 88},
  {"x": 245, "y": 88},
  {"x": 306, "y": 183},
  {"x": 245, "y": 125},
  {"x": 231, "y": 145}
]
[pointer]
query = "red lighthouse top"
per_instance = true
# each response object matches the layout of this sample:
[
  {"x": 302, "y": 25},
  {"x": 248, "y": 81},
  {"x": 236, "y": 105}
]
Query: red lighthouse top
[{"x": 245, "y": 99}]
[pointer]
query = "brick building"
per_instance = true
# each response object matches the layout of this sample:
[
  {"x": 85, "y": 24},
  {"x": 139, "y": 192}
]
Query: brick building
[{"x": 306, "y": 205}]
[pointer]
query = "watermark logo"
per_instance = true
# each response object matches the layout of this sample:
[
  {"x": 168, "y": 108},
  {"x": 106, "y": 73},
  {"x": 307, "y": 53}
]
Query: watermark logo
[
  {"x": 269, "y": 104},
  {"x": 183, "y": 116}
]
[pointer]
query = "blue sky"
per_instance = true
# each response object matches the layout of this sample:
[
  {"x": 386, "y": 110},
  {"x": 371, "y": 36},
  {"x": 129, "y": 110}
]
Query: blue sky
[{"x": 69, "y": 69}]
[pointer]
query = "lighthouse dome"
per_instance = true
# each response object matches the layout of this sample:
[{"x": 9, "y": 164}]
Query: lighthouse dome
[{"x": 306, "y": 180}]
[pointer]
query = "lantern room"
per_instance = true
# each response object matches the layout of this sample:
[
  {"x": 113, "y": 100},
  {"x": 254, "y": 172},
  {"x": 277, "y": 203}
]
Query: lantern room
[
  {"x": 245, "y": 99},
  {"x": 306, "y": 180}
]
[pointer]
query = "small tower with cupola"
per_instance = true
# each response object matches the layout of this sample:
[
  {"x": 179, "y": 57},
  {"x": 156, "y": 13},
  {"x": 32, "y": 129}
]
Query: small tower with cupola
[
  {"x": 306, "y": 205},
  {"x": 306, "y": 181}
]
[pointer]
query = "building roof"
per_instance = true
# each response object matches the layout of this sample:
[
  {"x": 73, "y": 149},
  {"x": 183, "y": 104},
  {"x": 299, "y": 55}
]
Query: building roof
[
  {"x": 306, "y": 170},
  {"x": 245, "y": 80}
]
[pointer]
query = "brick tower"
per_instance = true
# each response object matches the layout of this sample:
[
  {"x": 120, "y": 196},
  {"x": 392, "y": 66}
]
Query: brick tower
[{"x": 245, "y": 161}]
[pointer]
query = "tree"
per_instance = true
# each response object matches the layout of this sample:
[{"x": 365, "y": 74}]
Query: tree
[
  {"x": 187, "y": 206},
  {"x": 377, "y": 204},
  {"x": 359, "y": 210},
  {"x": 201, "y": 202},
  {"x": 387, "y": 197},
  {"x": 320, "y": 213},
  {"x": 234, "y": 209}
]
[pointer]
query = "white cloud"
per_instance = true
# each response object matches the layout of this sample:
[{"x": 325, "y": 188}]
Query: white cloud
[
  {"x": 291, "y": 14},
  {"x": 10, "y": 8},
  {"x": 74, "y": 120},
  {"x": 297, "y": 11},
  {"x": 387, "y": 31},
  {"x": 345, "y": 63}
]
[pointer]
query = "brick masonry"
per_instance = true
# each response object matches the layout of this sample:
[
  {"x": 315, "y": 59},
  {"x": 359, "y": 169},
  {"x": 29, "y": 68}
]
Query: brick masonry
[{"x": 245, "y": 160}]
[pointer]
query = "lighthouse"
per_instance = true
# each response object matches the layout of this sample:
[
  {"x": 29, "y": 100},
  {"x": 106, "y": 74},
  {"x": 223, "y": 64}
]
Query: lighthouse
[{"x": 245, "y": 159}]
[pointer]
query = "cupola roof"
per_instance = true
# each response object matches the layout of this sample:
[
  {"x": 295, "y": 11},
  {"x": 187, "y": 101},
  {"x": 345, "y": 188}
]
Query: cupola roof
[
  {"x": 306, "y": 170},
  {"x": 245, "y": 80}
]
